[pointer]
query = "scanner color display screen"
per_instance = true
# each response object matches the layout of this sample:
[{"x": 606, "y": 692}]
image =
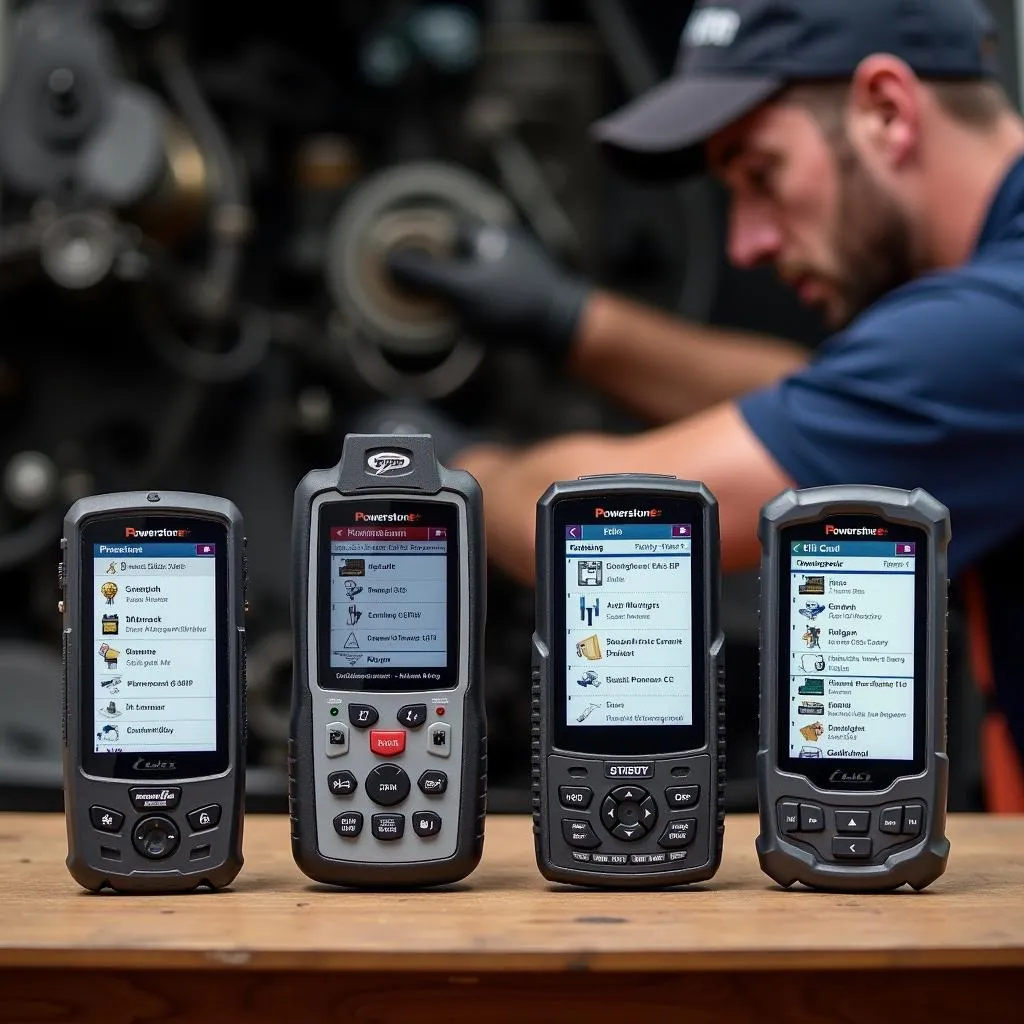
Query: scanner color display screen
[
  {"x": 389, "y": 599},
  {"x": 154, "y": 641},
  {"x": 851, "y": 644},
  {"x": 628, "y": 607},
  {"x": 629, "y": 642},
  {"x": 853, "y": 671}
]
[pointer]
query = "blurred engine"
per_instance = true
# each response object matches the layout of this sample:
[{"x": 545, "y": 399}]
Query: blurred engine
[{"x": 195, "y": 210}]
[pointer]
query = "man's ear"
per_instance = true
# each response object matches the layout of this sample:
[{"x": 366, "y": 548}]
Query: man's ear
[{"x": 883, "y": 112}]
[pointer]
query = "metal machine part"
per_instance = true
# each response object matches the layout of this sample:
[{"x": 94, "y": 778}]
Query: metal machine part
[
  {"x": 695, "y": 230},
  {"x": 60, "y": 84},
  {"x": 325, "y": 167},
  {"x": 76, "y": 132},
  {"x": 78, "y": 250},
  {"x": 30, "y": 507},
  {"x": 30, "y": 481},
  {"x": 441, "y": 37},
  {"x": 399, "y": 342},
  {"x": 538, "y": 90}
]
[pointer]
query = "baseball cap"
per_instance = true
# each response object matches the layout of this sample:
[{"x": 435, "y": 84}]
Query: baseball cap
[{"x": 736, "y": 54}]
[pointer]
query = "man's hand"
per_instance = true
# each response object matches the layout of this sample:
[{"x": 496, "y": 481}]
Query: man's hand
[{"x": 505, "y": 287}]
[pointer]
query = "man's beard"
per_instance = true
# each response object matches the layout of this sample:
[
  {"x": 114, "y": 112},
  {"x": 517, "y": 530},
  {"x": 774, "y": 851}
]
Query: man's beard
[{"x": 873, "y": 243}]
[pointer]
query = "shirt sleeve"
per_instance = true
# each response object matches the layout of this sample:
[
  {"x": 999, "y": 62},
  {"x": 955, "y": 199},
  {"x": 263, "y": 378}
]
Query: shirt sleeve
[{"x": 924, "y": 391}]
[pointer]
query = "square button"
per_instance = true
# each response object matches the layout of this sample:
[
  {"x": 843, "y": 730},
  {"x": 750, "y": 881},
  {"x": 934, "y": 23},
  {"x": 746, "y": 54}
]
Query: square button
[
  {"x": 439, "y": 739},
  {"x": 104, "y": 819},
  {"x": 348, "y": 824},
  {"x": 913, "y": 819},
  {"x": 851, "y": 849},
  {"x": 336, "y": 739},
  {"x": 204, "y": 817},
  {"x": 812, "y": 818},
  {"x": 362, "y": 716},
  {"x": 890, "y": 820},
  {"x": 682, "y": 796},
  {"x": 426, "y": 823},
  {"x": 342, "y": 783},
  {"x": 856, "y": 822},
  {"x": 387, "y": 827},
  {"x": 387, "y": 742},
  {"x": 575, "y": 796},
  {"x": 789, "y": 816},
  {"x": 412, "y": 716}
]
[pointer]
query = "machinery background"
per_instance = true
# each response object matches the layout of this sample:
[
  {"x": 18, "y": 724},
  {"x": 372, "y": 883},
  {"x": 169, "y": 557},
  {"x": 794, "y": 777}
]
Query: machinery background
[{"x": 195, "y": 205}]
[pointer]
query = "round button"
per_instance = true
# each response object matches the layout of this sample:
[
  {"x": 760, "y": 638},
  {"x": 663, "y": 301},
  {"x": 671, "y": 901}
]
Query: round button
[
  {"x": 156, "y": 837},
  {"x": 387, "y": 785},
  {"x": 629, "y": 813}
]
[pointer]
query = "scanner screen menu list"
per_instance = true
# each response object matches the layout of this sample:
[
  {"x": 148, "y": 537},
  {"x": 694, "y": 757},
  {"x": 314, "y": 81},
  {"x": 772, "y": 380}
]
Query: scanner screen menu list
[
  {"x": 851, "y": 644},
  {"x": 628, "y": 643},
  {"x": 389, "y": 597},
  {"x": 154, "y": 645}
]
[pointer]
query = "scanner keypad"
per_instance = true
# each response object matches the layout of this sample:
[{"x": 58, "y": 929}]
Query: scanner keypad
[
  {"x": 391, "y": 794},
  {"x": 857, "y": 833},
  {"x": 650, "y": 815}
]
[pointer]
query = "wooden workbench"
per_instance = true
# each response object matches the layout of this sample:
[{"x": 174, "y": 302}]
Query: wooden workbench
[{"x": 506, "y": 946}]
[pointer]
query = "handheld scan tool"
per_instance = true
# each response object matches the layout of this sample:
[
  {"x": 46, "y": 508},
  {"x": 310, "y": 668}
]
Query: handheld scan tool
[
  {"x": 153, "y": 601},
  {"x": 852, "y": 769},
  {"x": 387, "y": 766},
  {"x": 628, "y": 702}
]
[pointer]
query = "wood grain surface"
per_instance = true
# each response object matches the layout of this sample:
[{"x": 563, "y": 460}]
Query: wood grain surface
[
  {"x": 505, "y": 917},
  {"x": 301, "y": 997}
]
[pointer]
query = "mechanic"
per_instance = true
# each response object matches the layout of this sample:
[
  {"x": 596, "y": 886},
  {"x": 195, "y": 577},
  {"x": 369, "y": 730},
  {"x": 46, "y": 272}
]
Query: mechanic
[{"x": 872, "y": 158}]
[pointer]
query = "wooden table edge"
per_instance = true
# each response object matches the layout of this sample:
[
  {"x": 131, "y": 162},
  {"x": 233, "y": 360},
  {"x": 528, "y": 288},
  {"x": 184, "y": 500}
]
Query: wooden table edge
[{"x": 458, "y": 962}]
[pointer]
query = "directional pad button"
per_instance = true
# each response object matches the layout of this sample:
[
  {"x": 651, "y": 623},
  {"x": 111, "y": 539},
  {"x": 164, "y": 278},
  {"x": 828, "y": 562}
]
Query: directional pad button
[
  {"x": 629, "y": 833},
  {"x": 609, "y": 813},
  {"x": 628, "y": 794},
  {"x": 648, "y": 812},
  {"x": 629, "y": 813}
]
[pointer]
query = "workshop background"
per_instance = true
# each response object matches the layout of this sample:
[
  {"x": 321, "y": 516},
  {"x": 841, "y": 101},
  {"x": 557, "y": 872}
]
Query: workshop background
[{"x": 196, "y": 200}]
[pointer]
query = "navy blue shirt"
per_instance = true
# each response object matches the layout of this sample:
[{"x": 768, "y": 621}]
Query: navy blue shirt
[{"x": 926, "y": 389}]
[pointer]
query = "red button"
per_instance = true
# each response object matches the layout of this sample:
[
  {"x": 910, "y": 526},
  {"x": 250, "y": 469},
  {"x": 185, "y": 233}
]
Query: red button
[{"x": 387, "y": 743}]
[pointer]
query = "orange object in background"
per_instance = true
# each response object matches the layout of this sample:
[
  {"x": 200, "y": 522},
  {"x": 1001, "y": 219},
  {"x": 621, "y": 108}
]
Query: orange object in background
[{"x": 1002, "y": 770}]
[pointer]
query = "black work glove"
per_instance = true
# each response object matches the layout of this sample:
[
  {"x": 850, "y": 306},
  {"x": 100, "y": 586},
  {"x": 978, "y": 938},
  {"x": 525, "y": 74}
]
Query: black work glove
[
  {"x": 505, "y": 287},
  {"x": 408, "y": 417}
]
